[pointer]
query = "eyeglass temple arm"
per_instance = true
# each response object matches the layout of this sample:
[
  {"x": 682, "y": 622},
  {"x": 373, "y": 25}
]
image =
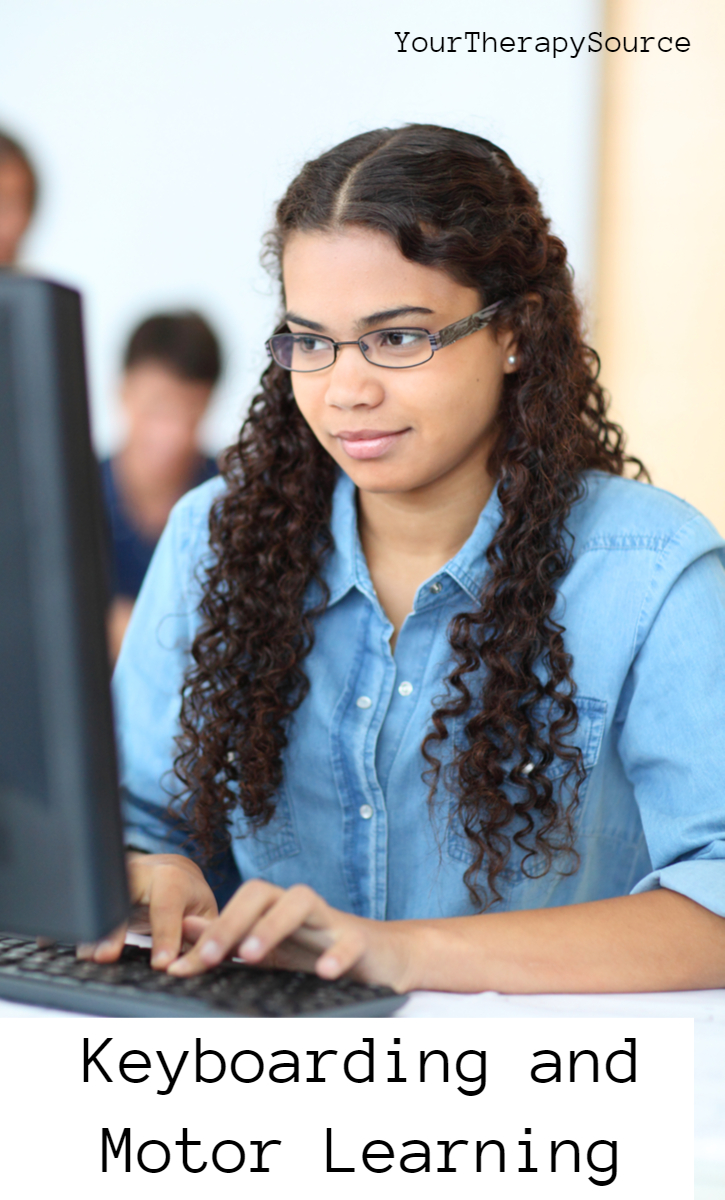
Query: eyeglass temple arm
[{"x": 460, "y": 329}]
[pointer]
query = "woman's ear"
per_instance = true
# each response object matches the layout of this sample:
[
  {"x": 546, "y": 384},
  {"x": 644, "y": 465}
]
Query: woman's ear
[
  {"x": 508, "y": 341},
  {"x": 509, "y": 349}
]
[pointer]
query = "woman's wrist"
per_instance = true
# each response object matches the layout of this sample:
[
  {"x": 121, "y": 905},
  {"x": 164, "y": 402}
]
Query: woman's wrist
[
  {"x": 656, "y": 941},
  {"x": 423, "y": 955}
]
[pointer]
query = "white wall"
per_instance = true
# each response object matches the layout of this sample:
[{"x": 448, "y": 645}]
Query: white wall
[{"x": 164, "y": 130}]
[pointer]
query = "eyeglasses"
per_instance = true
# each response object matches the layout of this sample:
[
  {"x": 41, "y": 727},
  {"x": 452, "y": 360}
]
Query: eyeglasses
[{"x": 394, "y": 348}]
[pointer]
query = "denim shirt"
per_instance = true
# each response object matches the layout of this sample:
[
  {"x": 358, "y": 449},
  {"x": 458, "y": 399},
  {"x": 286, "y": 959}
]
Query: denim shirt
[{"x": 643, "y": 607}]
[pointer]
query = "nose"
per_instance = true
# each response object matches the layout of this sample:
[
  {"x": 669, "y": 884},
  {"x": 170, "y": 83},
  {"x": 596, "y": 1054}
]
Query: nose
[{"x": 353, "y": 382}]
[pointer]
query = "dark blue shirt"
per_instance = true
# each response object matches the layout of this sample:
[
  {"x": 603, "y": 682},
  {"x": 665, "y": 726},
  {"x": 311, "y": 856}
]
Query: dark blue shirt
[{"x": 131, "y": 549}]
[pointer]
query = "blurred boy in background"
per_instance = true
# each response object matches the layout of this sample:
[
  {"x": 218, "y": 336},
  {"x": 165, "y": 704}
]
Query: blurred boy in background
[
  {"x": 170, "y": 368},
  {"x": 18, "y": 195}
]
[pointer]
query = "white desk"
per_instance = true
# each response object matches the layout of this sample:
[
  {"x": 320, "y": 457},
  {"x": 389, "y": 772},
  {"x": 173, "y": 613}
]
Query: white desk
[{"x": 708, "y": 1009}]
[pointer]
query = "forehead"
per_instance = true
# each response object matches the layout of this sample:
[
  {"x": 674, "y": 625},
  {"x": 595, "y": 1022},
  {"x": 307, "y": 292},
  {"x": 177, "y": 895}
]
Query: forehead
[
  {"x": 154, "y": 381},
  {"x": 345, "y": 274}
]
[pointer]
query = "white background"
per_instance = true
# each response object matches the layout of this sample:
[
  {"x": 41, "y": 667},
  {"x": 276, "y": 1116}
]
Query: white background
[
  {"x": 164, "y": 131},
  {"x": 52, "y": 1108}
]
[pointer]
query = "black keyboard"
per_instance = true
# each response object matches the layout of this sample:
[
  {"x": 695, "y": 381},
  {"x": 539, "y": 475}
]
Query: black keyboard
[{"x": 55, "y": 978}]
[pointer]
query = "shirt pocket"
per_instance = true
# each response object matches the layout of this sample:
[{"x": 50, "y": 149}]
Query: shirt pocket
[
  {"x": 278, "y": 839},
  {"x": 588, "y": 736}
]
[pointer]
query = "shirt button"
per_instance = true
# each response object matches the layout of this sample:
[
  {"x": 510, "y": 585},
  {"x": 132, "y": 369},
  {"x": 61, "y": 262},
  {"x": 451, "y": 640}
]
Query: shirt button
[
  {"x": 366, "y": 811},
  {"x": 405, "y": 688},
  {"x": 363, "y": 702},
  {"x": 436, "y": 588},
  {"x": 527, "y": 768}
]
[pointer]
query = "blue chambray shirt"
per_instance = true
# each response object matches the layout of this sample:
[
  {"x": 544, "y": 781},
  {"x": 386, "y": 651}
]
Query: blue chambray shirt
[{"x": 644, "y": 612}]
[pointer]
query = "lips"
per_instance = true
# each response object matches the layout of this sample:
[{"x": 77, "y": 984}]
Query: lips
[{"x": 368, "y": 443}]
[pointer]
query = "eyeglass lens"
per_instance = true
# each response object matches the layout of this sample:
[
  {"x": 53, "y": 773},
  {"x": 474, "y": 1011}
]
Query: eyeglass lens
[{"x": 383, "y": 347}]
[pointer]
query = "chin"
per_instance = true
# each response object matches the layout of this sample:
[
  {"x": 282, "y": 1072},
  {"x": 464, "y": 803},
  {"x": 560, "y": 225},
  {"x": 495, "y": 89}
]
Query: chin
[{"x": 381, "y": 477}]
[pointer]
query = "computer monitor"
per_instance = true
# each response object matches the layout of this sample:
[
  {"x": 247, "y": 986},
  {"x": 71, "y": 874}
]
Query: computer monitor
[
  {"x": 62, "y": 871},
  {"x": 61, "y": 859}
]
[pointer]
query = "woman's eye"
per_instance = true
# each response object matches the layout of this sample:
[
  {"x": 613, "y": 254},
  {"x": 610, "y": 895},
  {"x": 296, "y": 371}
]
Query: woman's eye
[
  {"x": 400, "y": 338},
  {"x": 310, "y": 345}
]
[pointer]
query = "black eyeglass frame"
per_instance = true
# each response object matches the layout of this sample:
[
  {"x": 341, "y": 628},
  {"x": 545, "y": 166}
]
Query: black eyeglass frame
[{"x": 444, "y": 337}]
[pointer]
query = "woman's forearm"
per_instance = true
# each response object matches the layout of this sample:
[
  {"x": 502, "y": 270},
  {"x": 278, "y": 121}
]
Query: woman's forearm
[{"x": 656, "y": 941}]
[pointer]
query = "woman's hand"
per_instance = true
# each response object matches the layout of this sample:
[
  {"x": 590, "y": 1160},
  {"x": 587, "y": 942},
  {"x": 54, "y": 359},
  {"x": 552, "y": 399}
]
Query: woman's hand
[
  {"x": 296, "y": 929},
  {"x": 165, "y": 889}
]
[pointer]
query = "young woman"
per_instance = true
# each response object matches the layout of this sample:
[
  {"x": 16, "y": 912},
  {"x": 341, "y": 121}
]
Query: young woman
[{"x": 434, "y": 682}]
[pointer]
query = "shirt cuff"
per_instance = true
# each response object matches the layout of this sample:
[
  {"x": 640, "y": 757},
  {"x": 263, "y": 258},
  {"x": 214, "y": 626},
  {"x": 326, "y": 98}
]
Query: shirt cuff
[
  {"x": 147, "y": 827},
  {"x": 702, "y": 880}
]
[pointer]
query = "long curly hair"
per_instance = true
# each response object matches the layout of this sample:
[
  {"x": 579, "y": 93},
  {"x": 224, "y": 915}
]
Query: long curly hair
[{"x": 453, "y": 201}]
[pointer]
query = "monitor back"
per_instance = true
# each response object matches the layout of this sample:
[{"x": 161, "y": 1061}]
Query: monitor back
[{"x": 61, "y": 860}]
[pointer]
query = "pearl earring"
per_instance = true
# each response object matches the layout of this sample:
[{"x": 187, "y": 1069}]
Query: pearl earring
[{"x": 512, "y": 359}]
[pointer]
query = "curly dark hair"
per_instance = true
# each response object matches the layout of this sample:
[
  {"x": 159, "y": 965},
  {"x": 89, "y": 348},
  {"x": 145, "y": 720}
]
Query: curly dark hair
[{"x": 453, "y": 201}]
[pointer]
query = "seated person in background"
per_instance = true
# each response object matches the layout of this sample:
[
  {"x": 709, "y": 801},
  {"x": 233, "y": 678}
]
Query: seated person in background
[
  {"x": 171, "y": 365},
  {"x": 18, "y": 194}
]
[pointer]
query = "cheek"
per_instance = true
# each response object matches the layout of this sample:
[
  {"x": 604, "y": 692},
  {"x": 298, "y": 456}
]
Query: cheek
[
  {"x": 301, "y": 394},
  {"x": 309, "y": 397},
  {"x": 478, "y": 398},
  {"x": 456, "y": 414}
]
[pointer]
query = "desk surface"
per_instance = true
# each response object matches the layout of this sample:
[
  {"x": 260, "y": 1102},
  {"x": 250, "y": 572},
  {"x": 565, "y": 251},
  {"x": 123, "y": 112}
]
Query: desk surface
[{"x": 707, "y": 1008}]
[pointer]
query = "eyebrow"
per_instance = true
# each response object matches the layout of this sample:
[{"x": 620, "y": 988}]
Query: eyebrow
[{"x": 386, "y": 314}]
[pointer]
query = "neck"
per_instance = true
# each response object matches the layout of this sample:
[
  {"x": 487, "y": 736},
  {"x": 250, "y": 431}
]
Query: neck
[
  {"x": 409, "y": 536},
  {"x": 430, "y": 523},
  {"x": 149, "y": 495}
]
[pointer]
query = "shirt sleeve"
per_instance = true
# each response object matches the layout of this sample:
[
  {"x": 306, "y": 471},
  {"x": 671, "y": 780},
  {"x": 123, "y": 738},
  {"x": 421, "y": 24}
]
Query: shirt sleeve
[
  {"x": 671, "y": 719},
  {"x": 148, "y": 677}
]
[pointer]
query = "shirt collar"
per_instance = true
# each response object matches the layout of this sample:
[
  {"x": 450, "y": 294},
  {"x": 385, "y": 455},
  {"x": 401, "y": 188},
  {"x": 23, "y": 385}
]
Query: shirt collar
[
  {"x": 346, "y": 568},
  {"x": 469, "y": 566}
]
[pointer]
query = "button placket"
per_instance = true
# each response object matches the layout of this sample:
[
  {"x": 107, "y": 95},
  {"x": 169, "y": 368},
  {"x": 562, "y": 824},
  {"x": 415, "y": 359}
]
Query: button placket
[{"x": 365, "y": 817}]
